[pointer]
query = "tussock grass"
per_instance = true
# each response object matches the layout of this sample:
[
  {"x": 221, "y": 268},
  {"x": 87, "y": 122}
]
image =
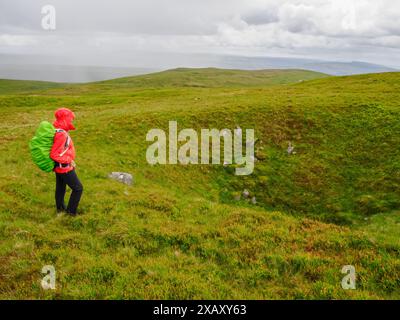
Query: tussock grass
[{"x": 178, "y": 232}]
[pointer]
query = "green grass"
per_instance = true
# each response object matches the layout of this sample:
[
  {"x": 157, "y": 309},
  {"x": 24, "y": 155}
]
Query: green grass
[
  {"x": 213, "y": 77},
  {"x": 178, "y": 232},
  {"x": 20, "y": 86}
]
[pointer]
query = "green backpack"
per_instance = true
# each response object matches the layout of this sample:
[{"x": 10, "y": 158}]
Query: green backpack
[{"x": 41, "y": 144}]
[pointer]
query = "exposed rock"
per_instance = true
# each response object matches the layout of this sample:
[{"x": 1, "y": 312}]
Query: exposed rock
[
  {"x": 122, "y": 177},
  {"x": 253, "y": 200},
  {"x": 290, "y": 149},
  {"x": 245, "y": 193}
]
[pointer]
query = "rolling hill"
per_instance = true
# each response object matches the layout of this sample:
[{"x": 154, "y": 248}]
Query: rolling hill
[
  {"x": 187, "y": 231},
  {"x": 214, "y": 77},
  {"x": 20, "y": 86},
  {"x": 86, "y": 68}
]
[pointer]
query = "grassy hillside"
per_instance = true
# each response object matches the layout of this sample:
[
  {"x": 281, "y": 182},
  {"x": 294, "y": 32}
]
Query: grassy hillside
[
  {"x": 213, "y": 77},
  {"x": 178, "y": 232},
  {"x": 20, "y": 86}
]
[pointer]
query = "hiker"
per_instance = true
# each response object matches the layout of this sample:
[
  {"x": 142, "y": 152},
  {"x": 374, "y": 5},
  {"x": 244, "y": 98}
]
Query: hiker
[{"x": 63, "y": 154}]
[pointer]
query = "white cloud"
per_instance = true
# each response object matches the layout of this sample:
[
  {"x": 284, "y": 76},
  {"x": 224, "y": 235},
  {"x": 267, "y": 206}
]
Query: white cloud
[{"x": 16, "y": 40}]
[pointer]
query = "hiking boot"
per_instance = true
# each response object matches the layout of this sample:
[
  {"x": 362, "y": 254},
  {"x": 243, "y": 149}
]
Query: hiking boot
[
  {"x": 61, "y": 209},
  {"x": 72, "y": 214}
]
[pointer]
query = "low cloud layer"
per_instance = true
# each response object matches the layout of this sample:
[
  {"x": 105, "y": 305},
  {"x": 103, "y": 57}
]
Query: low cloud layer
[{"x": 340, "y": 30}]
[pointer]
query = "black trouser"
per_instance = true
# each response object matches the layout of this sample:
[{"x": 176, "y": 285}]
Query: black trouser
[{"x": 71, "y": 179}]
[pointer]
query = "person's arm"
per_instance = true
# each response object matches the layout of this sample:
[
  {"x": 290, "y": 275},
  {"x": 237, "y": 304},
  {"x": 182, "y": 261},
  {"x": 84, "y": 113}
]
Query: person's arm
[{"x": 58, "y": 151}]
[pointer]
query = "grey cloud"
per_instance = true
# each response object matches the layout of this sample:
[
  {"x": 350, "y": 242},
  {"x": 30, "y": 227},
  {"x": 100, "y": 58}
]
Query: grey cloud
[
  {"x": 115, "y": 29},
  {"x": 261, "y": 17},
  {"x": 122, "y": 16}
]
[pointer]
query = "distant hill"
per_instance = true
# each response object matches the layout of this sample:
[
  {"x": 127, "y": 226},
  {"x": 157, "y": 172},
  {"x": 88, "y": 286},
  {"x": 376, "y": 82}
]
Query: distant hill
[
  {"x": 328, "y": 67},
  {"x": 88, "y": 69},
  {"x": 19, "y": 86},
  {"x": 213, "y": 77},
  {"x": 347, "y": 68},
  {"x": 180, "y": 77}
]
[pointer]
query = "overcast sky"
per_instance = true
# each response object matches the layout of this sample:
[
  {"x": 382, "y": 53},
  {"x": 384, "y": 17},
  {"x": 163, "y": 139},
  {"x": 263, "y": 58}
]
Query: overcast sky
[{"x": 343, "y": 30}]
